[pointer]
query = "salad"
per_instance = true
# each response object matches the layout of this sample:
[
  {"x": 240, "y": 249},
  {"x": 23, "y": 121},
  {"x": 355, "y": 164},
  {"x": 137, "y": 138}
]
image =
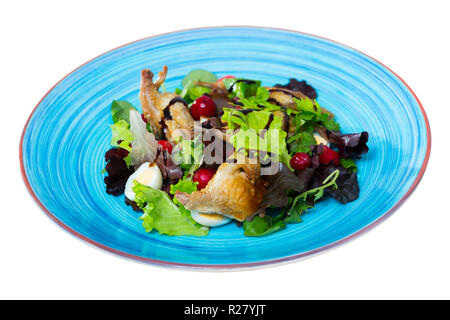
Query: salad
[{"x": 228, "y": 149}]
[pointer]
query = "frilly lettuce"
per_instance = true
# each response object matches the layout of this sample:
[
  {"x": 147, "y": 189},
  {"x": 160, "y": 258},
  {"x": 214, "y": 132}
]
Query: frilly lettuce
[
  {"x": 161, "y": 214},
  {"x": 184, "y": 185},
  {"x": 122, "y": 138},
  {"x": 188, "y": 154},
  {"x": 144, "y": 146},
  {"x": 121, "y": 133},
  {"x": 130, "y": 133}
]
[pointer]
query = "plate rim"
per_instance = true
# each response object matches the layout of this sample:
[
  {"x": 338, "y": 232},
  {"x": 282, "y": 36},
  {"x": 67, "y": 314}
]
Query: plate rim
[{"x": 233, "y": 266}]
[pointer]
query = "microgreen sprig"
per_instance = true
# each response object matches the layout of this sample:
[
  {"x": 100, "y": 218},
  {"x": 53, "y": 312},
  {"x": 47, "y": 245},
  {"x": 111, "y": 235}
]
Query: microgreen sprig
[{"x": 330, "y": 181}]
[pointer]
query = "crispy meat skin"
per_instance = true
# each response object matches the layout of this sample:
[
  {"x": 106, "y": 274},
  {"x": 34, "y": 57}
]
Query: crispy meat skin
[
  {"x": 154, "y": 103},
  {"x": 236, "y": 191},
  {"x": 285, "y": 97}
]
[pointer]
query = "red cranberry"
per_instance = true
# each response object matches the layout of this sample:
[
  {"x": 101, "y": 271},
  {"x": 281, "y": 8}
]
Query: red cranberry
[
  {"x": 300, "y": 161},
  {"x": 202, "y": 176},
  {"x": 328, "y": 155},
  {"x": 203, "y": 106},
  {"x": 165, "y": 145}
]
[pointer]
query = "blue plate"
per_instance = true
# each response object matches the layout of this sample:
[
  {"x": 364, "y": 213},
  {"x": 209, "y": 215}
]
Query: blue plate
[{"x": 66, "y": 136}]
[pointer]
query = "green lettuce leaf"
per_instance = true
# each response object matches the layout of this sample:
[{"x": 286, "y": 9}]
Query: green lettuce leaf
[
  {"x": 249, "y": 135},
  {"x": 301, "y": 142},
  {"x": 161, "y": 214},
  {"x": 189, "y": 155},
  {"x": 184, "y": 185},
  {"x": 195, "y": 92},
  {"x": 121, "y": 132},
  {"x": 262, "y": 226},
  {"x": 309, "y": 115},
  {"x": 294, "y": 212},
  {"x": 234, "y": 119},
  {"x": 306, "y": 119},
  {"x": 243, "y": 88},
  {"x": 257, "y": 120},
  {"x": 272, "y": 141},
  {"x": 198, "y": 75},
  {"x": 329, "y": 122},
  {"x": 307, "y": 105},
  {"x": 259, "y": 101},
  {"x": 190, "y": 91},
  {"x": 120, "y": 110},
  {"x": 349, "y": 164}
]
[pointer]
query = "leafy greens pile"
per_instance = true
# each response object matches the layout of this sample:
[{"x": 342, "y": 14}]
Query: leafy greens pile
[{"x": 254, "y": 122}]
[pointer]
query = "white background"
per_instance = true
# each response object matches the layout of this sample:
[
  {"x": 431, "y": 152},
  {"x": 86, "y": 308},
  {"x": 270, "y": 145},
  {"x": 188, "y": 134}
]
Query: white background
[{"x": 406, "y": 256}]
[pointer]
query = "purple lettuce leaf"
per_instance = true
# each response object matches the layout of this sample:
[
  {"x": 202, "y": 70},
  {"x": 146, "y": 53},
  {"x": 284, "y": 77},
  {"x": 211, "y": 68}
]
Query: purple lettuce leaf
[
  {"x": 283, "y": 181},
  {"x": 352, "y": 144},
  {"x": 117, "y": 170},
  {"x": 347, "y": 182},
  {"x": 301, "y": 86}
]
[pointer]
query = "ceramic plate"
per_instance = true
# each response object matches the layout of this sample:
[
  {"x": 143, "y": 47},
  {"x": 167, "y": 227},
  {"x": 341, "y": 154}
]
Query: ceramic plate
[{"x": 67, "y": 134}]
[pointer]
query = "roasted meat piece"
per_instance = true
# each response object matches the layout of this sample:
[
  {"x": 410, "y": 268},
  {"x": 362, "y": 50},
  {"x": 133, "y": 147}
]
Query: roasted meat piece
[
  {"x": 235, "y": 191},
  {"x": 167, "y": 113}
]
